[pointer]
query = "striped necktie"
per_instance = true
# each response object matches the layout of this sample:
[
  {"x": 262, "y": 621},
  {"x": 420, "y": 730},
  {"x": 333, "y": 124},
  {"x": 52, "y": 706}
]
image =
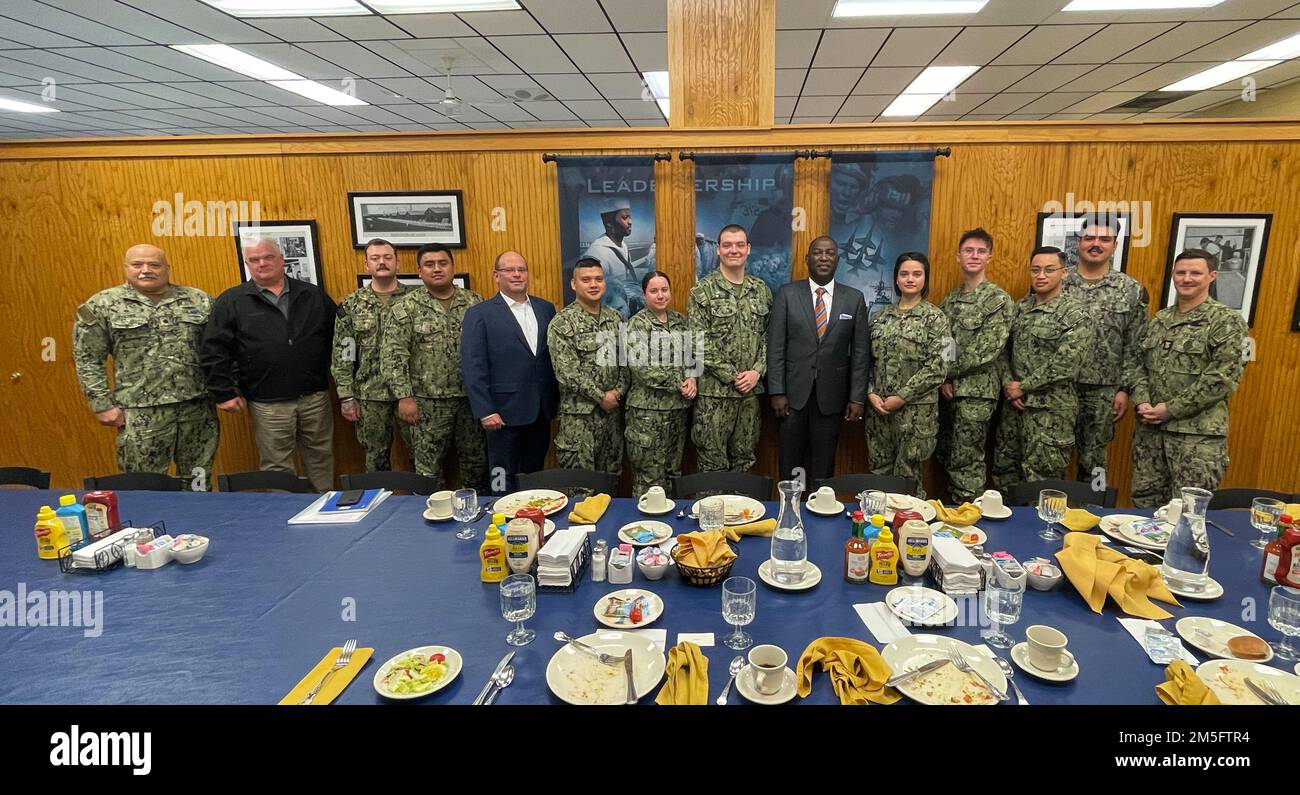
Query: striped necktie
[{"x": 819, "y": 311}]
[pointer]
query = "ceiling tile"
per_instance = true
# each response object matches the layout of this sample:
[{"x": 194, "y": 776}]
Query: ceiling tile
[
  {"x": 850, "y": 46},
  {"x": 813, "y": 119},
  {"x": 1242, "y": 9},
  {"x": 297, "y": 60},
  {"x": 1044, "y": 43},
  {"x": 593, "y": 109},
  {"x": 571, "y": 86},
  {"x": 508, "y": 85},
  {"x": 1202, "y": 99},
  {"x": 789, "y": 82},
  {"x": 804, "y": 14},
  {"x": 175, "y": 94},
  {"x": 865, "y": 105},
  {"x": 132, "y": 20},
  {"x": 367, "y": 28},
  {"x": 649, "y": 50},
  {"x": 978, "y": 46},
  {"x": 625, "y": 86},
  {"x": 636, "y": 109},
  {"x": 204, "y": 20},
  {"x": 1050, "y": 77},
  {"x": 1244, "y": 41},
  {"x": 962, "y": 102},
  {"x": 818, "y": 106},
  {"x": 534, "y": 53},
  {"x": 638, "y": 16},
  {"x": 571, "y": 16},
  {"x": 795, "y": 48},
  {"x": 831, "y": 82},
  {"x": 1182, "y": 39},
  {"x": 179, "y": 64},
  {"x": 887, "y": 79},
  {"x": 659, "y": 122},
  {"x": 993, "y": 79},
  {"x": 1099, "y": 103},
  {"x": 334, "y": 115},
  {"x": 53, "y": 62},
  {"x": 418, "y": 113},
  {"x": 34, "y": 73},
  {"x": 356, "y": 60},
  {"x": 56, "y": 20},
  {"x": 785, "y": 106},
  {"x": 105, "y": 96},
  {"x": 1100, "y": 78},
  {"x": 596, "y": 52},
  {"x": 403, "y": 59},
  {"x": 545, "y": 111},
  {"x": 1158, "y": 77},
  {"x": 1051, "y": 103},
  {"x": 432, "y": 26},
  {"x": 1274, "y": 75},
  {"x": 122, "y": 61},
  {"x": 469, "y": 54},
  {"x": 1006, "y": 103},
  {"x": 913, "y": 46},
  {"x": 502, "y": 23},
  {"x": 1110, "y": 42},
  {"x": 297, "y": 29}
]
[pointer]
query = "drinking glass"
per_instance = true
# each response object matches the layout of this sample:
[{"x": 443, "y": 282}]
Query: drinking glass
[
  {"x": 519, "y": 603},
  {"x": 739, "y": 599},
  {"x": 872, "y": 502},
  {"x": 1051, "y": 509},
  {"x": 464, "y": 507},
  {"x": 1264, "y": 513},
  {"x": 1284, "y": 616},
  {"x": 1002, "y": 607},
  {"x": 712, "y": 513}
]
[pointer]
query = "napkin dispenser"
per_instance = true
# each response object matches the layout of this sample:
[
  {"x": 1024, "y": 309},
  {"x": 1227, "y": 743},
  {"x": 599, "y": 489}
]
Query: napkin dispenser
[
  {"x": 152, "y": 554},
  {"x": 619, "y": 569}
]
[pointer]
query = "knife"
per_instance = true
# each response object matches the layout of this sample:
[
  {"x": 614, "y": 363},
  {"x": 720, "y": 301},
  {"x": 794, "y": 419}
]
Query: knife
[
  {"x": 631, "y": 686},
  {"x": 903, "y": 677},
  {"x": 1220, "y": 527},
  {"x": 501, "y": 666},
  {"x": 1259, "y": 692}
]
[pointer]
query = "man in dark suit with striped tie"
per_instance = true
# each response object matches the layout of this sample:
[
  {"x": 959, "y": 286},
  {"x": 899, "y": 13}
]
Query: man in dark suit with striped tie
[
  {"x": 506, "y": 366},
  {"x": 818, "y": 359}
]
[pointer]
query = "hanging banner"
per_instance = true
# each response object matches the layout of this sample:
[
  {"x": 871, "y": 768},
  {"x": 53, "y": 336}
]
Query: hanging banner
[
  {"x": 607, "y": 212},
  {"x": 880, "y": 208},
  {"x": 756, "y": 192}
]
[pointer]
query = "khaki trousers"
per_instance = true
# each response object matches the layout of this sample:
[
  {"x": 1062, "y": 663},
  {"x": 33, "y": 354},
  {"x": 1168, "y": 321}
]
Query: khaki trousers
[{"x": 307, "y": 424}]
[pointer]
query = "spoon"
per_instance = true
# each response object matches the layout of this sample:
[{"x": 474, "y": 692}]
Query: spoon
[
  {"x": 733, "y": 669},
  {"x": 502, "y": 681},
  {"x": 1011, "y": 678},
  {"x": 681, "y": 514}
]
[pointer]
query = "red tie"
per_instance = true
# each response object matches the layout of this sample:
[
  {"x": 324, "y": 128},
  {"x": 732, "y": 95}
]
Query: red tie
[{"x": 819, "y": 311}]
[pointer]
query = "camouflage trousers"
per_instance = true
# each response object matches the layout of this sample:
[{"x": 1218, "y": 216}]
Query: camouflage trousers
[
  {"x": 899, "y": 443},
  {"x": 155, "y": 436},
  {"x": 1094, "y": 428},
  {"x": 1164, "y": 462},
  {"x": 1033, "y": 444},
  {"x": 444, "y": 421},
  {"x": 656, "y": 441},
  {"x": 963, "y": 436},
  {"x": 725, "y": 433},
  {"x": 375, "y": 433},
  {"x": 591, "y": 441}
]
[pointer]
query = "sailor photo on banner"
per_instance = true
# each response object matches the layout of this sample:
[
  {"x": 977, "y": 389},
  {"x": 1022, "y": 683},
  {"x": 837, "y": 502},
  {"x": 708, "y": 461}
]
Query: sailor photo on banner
[
  {"x": 880, "y": 207},
  {"x": 607, "y": 212},
  {"x": 756, "y": 192}
]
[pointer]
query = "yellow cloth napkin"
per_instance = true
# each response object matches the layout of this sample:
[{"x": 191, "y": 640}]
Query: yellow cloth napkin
[
  {"x": 763, "y": 527},
  {"x": 338, "y": 681},
  {"x": 1080, "y": 520},
  {"x": 1292, "y": 509},
  {"x": 704, "y": 550},
  {"x": 858, "y": 672},
  {"x": 1096, "y": 570},
  {"x": 589, "y": 510},
  {"x": 964, "y": 515},
  {"x": 1184, "y": 686},
  {"x": 687, "y": 677}
]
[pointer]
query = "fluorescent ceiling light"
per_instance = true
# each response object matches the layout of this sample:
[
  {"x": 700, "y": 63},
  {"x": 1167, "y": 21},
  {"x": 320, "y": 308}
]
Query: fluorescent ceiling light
[
  {"x": 289, "y": 8},
  {"x": 1286, "y": 49},
  {"x": 1137, "y": 5},
  {"x": 904, "y": 8},
  {"x": 657, "y": 82},
  {"x": 25, "y": 107},
  {"x": 440, "y": 6},
  {"x": 1218, "y": 75},
  {"x": 911, "y": 104},
  {"x": 928, "y": 88},
  {"x": 317, "y": 91},
  {"x": 245, "y": 64}
]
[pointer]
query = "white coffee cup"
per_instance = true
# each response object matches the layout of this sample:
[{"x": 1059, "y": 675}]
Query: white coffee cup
[
  {"x": 439, "y": 503},
  {"x": 654, "y": 499},
  {"x": 823, "y": 499},
  {"x": 991, "y": 501},
  {"x": 768, "y": 663},
  {"x": 1047, "y": 648}
]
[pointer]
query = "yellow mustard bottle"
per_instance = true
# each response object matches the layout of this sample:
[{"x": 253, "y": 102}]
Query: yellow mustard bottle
[
  {"x": 51, "y": 535},
  {"x": 492, "y": 556},
  {"x": 884, "y": 559}
]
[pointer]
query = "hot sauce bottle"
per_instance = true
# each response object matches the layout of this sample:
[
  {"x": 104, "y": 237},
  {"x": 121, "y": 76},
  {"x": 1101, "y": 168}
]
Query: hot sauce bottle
[{"x": 857, "y": 553}]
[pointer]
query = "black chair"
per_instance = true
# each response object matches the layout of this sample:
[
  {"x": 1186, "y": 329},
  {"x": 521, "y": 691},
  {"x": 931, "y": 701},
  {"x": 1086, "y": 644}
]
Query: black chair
[
  {"x": 1076, "y": 493},
  {"x": 136, "y": 481},
  {"x": 24, "y": 476},
  {"x": 575, "y": 483},
  {"x": 396, "y": 482},
  {"x": 853, "y": 485},
  {"x": 704, "y": 484},
  {"x": 1227, "y": 499},
  {"x": 266, "y": 480}
]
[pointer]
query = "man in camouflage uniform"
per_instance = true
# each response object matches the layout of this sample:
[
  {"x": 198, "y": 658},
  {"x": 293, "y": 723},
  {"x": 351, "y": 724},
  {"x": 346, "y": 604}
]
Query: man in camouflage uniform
[
  {"x": 583, "y": 339},
  {"x": 420, "y": 366},
  {"x": 1192, "y": 361},
  {"x": 1049, "y": 335},
  {"x": 1118, "y": 304},
  {"x": 979, "y": 319},
  {"x": 730, "y": 308},
  {"x": 364, "y": 396},
  {"x": 159, "y": 402}
]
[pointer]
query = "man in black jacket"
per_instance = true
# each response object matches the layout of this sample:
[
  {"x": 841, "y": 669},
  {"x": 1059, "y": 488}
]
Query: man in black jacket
[
  {"x": 269, "y": 341},
  {"x": 818, "y": 359}
]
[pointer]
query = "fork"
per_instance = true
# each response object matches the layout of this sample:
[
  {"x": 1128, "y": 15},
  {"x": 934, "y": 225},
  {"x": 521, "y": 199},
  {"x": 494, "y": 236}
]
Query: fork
[
  {"x": 607, "y": 659},
  {"x": 1271, "y": 689},
  {"x": 345, "y": 657},
  {"x": 964, "y": 666}
]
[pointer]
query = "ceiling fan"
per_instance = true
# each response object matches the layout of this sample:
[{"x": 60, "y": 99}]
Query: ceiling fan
[{"x": 453, "y": 106}]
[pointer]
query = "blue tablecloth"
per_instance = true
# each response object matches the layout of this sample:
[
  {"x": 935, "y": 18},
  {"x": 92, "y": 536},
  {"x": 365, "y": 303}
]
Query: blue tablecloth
[{"x": 269, "y": 600}]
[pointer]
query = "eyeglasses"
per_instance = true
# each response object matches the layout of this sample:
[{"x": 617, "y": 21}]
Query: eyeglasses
[
  {"x": 511, "y": 270},
  {"x": 1044, "y": 271}
]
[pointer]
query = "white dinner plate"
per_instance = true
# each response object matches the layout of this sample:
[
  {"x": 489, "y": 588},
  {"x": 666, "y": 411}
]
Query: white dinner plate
[
  {"x": 578, "y": 677},
  {"x": 897, "y": 502},
  {"x": 944, "y": 685},
  {"x": 1120, "y": 527},
  {"x": 1227, "y": 679},
  {"x": 957, "y": 532},
  {"x": 653, "y": 609},
  {"x": 921, "y": 606},
  {"x": 453, "y": 663},
  {"x": 735, "y": 509},
  {"x": 661, "y": 530},
  {"x": 548, "y": 500},
  {"x": 1218, "y": 632}
]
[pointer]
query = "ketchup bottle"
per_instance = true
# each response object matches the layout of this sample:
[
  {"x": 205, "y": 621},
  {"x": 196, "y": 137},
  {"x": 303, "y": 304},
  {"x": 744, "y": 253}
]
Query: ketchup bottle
[{"x": 1273, "y": 552}]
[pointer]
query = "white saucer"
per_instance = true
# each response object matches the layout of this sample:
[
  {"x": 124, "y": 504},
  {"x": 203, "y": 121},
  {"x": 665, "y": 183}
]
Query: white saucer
[
  {"x": 1213, "y": 590},
  {"x": 984, "y": 514},
  {"x": 1020, "y": 656},
  {"x": 748, "y": 688},
  {"x": 430, "y": 516},
  {"x": 839, "y": 509},
  {"x": 811, "y": 576},
  {"x": 641, "y": 509}
]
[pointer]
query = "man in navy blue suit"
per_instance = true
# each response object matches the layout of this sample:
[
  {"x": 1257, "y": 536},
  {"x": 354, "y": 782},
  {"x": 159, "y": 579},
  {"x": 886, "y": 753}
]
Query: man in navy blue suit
[{"x": 506, "y": 367}]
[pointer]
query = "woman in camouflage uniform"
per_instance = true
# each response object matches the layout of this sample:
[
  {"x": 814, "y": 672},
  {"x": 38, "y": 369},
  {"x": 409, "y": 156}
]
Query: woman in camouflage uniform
[
  {"x": 663, "y": 387},
  {"x": 907, "y": 341}
]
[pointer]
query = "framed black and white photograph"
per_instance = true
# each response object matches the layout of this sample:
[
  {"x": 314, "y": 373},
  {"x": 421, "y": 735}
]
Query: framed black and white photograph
[
  {"x": 413, "y": 280},
  {"x": 1062, "y": 230},
  {"x": 1238, "y": 240},
  {"x": 408, "y": 220},
  {"x": 297, "y": 239}
]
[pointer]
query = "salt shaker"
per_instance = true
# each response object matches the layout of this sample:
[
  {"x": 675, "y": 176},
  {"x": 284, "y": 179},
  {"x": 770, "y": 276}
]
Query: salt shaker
[{"x": 598, "y": 561}]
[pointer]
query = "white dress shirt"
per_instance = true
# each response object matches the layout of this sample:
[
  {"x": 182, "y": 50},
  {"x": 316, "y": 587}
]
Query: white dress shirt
[
  {"x": 526, "y": 318},
  {"x": 829, "y": 287}
]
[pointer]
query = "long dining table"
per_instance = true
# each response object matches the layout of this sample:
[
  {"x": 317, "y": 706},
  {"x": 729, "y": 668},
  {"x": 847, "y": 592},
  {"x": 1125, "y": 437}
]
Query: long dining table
[{"x": 269, "y": 600}]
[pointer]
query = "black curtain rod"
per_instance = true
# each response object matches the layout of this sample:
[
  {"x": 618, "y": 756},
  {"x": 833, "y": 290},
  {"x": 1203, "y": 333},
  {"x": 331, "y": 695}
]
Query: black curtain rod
[{"x": 552, "y": 157}]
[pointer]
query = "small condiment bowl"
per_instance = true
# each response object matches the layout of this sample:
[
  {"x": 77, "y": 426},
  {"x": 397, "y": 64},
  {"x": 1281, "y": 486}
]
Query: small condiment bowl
[
  {"x": 1043, "y": 574},
  {"x": 191, "y": 554},
  {"x": 652, "y": 571}
]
